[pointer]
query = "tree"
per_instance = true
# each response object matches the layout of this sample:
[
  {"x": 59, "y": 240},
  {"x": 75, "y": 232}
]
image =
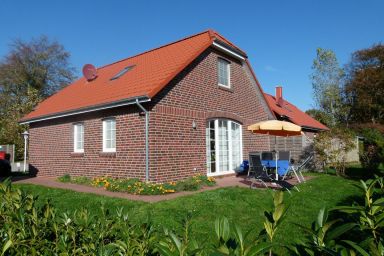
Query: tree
[
  {"x": 365, "y": 85},
  {"x": 326, "y": 83},
  {"x": 320, "y": 116},
  {"x": 30, "y": 72}
]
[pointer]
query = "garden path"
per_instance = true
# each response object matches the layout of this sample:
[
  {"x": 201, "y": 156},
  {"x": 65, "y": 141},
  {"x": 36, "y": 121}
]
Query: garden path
[{"x": 222, "y": 182}]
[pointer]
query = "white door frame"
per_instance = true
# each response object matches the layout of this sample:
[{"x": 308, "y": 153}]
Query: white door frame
[{"x": 230, "y": 145}]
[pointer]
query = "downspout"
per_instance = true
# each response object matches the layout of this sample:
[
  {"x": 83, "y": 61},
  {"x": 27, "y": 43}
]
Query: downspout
[{"x": 146, "y": 139}]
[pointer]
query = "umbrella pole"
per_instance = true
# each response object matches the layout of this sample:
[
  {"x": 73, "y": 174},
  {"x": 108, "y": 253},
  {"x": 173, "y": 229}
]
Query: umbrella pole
[{"x": 277, "y": 176}]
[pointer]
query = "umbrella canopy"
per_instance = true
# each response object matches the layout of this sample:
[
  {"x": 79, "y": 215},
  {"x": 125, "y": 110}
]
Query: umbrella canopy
[{"x": 276, "y": 128}]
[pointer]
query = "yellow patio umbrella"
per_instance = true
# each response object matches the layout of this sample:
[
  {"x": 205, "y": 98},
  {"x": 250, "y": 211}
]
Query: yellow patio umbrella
[{"x": 276, "y": 128}]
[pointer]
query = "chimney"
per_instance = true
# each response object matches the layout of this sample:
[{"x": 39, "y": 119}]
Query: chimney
[{"x": 279, "y": 95}]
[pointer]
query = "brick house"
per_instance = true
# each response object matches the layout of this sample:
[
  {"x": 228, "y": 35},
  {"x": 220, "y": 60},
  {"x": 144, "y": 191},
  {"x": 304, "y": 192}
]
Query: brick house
[
  {"x": 299, "y": 146},
  {"x": 172, "y": 112}
]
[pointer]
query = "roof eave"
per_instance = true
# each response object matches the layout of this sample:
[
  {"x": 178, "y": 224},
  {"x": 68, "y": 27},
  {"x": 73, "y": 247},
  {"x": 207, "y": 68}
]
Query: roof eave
[
  {"x": 115, "y": 104},
  {"x": 313, "y": 128},
  {"x": 316, "y": 129},
  {"x": 229, "y": 49}
]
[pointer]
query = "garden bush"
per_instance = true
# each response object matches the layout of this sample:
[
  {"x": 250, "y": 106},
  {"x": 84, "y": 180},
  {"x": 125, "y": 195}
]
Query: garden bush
[
  {"x": 372, "y": 153},
  {"x": 332, "y": 147}
]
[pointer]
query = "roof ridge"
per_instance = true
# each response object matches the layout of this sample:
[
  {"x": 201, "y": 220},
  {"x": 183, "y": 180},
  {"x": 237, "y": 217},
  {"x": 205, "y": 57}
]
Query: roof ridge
[
  {"x": 295, "y": 108},
  {"x": 159, "y": 47},
  {"x": 286, "y": 101}
]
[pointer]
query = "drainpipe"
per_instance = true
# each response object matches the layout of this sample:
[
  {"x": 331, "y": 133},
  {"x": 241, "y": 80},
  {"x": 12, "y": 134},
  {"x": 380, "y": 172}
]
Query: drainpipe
[{"x": 146, "y": 139}]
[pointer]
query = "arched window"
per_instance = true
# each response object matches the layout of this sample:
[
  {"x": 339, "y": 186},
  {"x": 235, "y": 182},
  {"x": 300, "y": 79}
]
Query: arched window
[{"x": 224, "y": 146}]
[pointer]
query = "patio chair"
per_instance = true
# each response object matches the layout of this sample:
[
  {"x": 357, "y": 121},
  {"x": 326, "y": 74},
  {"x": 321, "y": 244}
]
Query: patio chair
[
  {"x": 267, "y": 159},
  {"x": 285, "y": 155},
  {"x": 266, "y": 155},
  {"x": 296, "y": 169},
  {"x": 284, "y": 158},
  {"x": 257, "y": 172}
]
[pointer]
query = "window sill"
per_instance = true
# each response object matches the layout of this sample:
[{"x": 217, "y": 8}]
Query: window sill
[
  {"x": 77, "y": 154},
  {"x": 107, "y": 154},
  {"x": 228, "y": 89}
]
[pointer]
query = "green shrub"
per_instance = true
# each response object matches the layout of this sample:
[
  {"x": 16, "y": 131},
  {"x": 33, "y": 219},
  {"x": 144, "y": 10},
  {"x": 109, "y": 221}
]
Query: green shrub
[
  {"x": 373, "y": 149},
  {"x": 65, "y": 178},
  {"x": 81, "y": 180},
  {"x": 26, "y": 229}
]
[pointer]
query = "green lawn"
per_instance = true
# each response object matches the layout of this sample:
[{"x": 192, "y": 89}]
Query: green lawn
[{"x": 242, "y": 205}]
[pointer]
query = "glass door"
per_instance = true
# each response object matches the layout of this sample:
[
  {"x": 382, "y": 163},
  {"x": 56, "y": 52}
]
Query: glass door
[{"x": 224, "y": 146}]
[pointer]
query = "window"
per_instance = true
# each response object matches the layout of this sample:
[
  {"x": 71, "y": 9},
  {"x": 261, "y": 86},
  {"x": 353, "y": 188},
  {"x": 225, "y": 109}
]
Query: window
[
  {"x": 224, "y": 73},
  {"x": 109, "y": 135},
  {"x": 122, "y": 72},
  {"x": 224, "y": 146},
  {"x": 78, "y": 138}
]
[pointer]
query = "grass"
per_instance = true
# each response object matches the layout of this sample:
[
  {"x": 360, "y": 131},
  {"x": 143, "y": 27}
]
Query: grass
[{"x": 241, "y": 205}]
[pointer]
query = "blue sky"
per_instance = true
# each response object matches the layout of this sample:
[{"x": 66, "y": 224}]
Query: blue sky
[{"x": 280, "y": 37}]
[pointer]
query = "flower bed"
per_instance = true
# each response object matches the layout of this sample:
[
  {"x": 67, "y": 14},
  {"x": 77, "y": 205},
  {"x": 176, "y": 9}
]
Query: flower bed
[{"x": 137, "y": 187}]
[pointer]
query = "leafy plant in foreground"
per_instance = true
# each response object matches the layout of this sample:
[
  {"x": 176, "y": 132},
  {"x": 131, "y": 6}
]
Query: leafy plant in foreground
[
  {"x": 359, "y": 232},
  {"x": 368, "y": 218}
]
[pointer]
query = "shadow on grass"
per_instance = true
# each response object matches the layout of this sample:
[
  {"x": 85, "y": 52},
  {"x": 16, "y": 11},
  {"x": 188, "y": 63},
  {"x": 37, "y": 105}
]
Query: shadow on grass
[{"x": 353, "y": 172}]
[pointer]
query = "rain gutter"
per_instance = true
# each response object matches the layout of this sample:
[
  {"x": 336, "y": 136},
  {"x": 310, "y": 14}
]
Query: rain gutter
[{"x": 146, "y": 139}]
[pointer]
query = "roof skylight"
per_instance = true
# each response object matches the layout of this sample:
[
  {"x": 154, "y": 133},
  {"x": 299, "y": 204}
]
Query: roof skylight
[{"x": 122, "y": 72}]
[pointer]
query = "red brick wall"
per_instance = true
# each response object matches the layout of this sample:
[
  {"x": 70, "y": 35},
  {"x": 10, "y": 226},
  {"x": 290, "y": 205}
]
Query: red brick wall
[
  {"x": 180, "y": 151},
  {"x": 176, "y": 149},
  {"x": 51, "y": 146}
]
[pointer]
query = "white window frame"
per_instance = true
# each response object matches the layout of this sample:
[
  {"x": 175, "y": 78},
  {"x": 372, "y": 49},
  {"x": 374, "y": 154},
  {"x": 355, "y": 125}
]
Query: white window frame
[
  {"x": 228, "y": 86},
  {"x": 217, "y": 160},
  {"x": 75, "y": 137},
  {"x": 105, "y": 121}
]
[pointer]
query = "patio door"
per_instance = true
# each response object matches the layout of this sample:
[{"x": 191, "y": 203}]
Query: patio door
[{"x": 224, "y": 146}]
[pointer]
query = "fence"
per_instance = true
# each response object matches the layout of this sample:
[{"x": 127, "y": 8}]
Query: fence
[{"x": 9, "y": 151}]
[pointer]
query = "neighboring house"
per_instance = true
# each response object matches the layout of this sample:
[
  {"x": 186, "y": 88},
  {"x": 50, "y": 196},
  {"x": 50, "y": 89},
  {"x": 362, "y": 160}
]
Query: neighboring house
[
  {"x": 172, "y": 112},
  {"x": 284, "y": 110}
]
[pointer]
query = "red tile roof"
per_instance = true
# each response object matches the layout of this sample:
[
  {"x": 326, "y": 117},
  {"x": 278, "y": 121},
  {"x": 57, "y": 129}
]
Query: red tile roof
[
  {"x": 294, "y": 114},
  {"x": 153, "y": 70}
]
